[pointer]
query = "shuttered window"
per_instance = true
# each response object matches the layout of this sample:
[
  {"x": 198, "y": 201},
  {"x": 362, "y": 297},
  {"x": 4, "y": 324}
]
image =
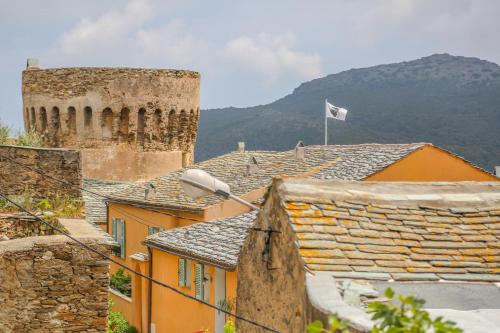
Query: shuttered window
[
  {"x": 184, "y": 273},
  {"x": 198, "y": 281},
  {"x": 118, "y": 234},
  {"x": 153, "y": 230}
]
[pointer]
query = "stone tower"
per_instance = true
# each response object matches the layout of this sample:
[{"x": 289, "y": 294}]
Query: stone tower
[{"x": 129, "y": 109}]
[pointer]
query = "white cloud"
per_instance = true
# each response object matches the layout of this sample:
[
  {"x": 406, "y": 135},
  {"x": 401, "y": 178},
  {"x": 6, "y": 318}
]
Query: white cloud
[
  {"x": 172, "y": 41},
  {"x": 273, "y": 56},
  {"x": 109, "y": 29}
]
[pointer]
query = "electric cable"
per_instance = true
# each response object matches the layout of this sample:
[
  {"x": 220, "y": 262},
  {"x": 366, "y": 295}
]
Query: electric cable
[{"x": 163, "y": 284}]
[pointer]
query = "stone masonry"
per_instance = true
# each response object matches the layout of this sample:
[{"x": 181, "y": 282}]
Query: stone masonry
[
  {"x": 16, "y": 177},
  {"x": 50, "y": 284},
  {"x": 139, "y": 109}
]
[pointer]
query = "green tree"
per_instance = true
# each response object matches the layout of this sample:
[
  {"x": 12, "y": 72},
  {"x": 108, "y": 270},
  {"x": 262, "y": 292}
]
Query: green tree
[{"x": 406, "y": 317}]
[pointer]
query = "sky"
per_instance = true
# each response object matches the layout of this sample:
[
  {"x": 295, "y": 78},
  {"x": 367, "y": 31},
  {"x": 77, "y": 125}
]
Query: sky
[{"x": 248, "y": 52}]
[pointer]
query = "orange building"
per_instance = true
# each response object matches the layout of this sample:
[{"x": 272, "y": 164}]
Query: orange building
[{"x": 141, "y": 210}]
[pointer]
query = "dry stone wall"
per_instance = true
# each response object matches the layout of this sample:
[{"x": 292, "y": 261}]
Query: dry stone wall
[
  {"x": 273, "y": 291},
  {"x": 142, "y": 109},
  {"x": 16, "y": 178},
  {"x": 15, "y": 225},
  {"x": 50, "y": 284}
]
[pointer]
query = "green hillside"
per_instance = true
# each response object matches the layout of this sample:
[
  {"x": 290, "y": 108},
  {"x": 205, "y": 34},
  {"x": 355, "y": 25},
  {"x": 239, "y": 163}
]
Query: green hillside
[{"x": 453, "y": 102}]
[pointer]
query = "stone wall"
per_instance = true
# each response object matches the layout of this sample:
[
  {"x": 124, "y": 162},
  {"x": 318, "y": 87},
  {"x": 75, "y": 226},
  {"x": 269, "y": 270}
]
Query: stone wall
[
  {"x": 16, "y": 225},
  {"x": 50, "y": 284},
  {"x": 272, "y": 293},
  {"x": 62, "y": 164},
  {"x": 142, "y": 109}
]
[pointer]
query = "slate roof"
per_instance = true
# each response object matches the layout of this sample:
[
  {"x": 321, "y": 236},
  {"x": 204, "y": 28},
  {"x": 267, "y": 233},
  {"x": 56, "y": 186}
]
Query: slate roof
[
  {"x": 95, "y": 206},
  {"x": 349, "y": 162},
  {"x": 396, "y": 231},
  {"x": 215, "y": 242}
]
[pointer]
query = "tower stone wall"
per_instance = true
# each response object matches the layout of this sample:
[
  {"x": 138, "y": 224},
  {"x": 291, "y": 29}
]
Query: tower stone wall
[{"x": 130, "y": 108}]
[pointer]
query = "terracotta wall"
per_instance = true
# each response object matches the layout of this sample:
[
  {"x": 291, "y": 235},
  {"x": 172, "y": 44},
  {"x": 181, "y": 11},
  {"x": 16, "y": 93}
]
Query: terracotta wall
[
  {"x": 61, "y": 164},
  {"x": 172, "y": 312},
  {"x": 119, "y": 164},
  {"x": 432, "y": 164}
]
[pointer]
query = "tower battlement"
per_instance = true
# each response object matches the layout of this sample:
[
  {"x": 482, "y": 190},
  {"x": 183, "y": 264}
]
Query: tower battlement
[{"x": 134, "y": 108}]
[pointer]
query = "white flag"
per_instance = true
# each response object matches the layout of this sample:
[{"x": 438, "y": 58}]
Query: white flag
[{"x": 335, "y": 112}]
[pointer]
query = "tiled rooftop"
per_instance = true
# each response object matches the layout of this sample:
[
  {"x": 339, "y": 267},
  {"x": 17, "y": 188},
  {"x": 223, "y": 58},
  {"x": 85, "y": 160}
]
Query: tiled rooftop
[
  {"x": 396, "y": 231},
  {"x": 95, "y": 206},
  {"x": 348, "y": 162},
  {"x": 216, "y": 242}
]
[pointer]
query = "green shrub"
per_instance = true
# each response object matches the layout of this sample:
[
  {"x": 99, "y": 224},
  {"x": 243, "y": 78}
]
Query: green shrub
[
  {"x": 29, "y": 138},
  {"x": 407, "y": 317},
  {"x": 121, "y": 282},
  {"x": 229, "y": 327},
  {"x": 116, "y": 322},
  {"x": 4, "y": 133}
]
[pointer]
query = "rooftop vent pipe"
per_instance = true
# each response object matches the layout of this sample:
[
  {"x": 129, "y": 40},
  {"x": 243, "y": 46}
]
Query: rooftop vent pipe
[
  {"x": 241, "y": 146},
  {"x": 497, "y": 170},
  {"x": 149, "y": 191},
  {"x": 300, "y": 150},
  {"x": 32, "y": 63},
  {"x": 252, "y": 166}
]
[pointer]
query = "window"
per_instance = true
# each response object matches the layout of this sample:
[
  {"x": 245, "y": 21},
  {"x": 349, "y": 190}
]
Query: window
[
  {"x": 141, "y": 126},
  {"x": 154, "y": 230},
  {"x": 201, "y": 282},
  {"x": 87, "y": 120},
  {"x": 118, "y": 233},
  {"x": 184, "y": 273}
]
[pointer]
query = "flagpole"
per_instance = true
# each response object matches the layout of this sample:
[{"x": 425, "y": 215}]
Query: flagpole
[{"x": 326, "y": 127}]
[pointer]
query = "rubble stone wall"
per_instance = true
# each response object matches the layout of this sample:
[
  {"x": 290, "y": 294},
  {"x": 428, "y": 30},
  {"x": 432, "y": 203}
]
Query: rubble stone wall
[
  {"x": 50, "y": 284},
  {"x": 62, "y": 164},
  {"x": 14, "y": 226},
  {"x": 274, "y": 291},
  {"x": 142, "y": 109}
]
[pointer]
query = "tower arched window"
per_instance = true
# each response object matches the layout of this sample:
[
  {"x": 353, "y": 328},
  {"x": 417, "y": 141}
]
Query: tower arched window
[
  {"x": 32, "y": 119},
  {"x": 124, "y": 123},
  {"x": 107, "y": 123},
  {"x": 157, "y": 125},
  {"x": 183, "y": 128},
  {"x": 172, "y": 127},
  {"x": 141, "y": 115},
  {"x": 87, "y": 120},
  {"x": 43, "y": 119},
  {"x": 71, "y": 121}
]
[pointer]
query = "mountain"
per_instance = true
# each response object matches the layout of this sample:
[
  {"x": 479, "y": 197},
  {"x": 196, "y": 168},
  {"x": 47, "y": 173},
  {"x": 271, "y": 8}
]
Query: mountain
[{"x": 450, "y": 101}]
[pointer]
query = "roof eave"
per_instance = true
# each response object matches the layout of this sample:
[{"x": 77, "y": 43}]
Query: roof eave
[
  {"x": 143, "y": 204},
  {"x": 201, "y": 259}
]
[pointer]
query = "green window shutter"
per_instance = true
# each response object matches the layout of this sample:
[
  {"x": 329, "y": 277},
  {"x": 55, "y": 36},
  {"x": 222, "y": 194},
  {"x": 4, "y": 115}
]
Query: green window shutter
[
  {"x": 182, "y": 272},
  {"x": 114, "y": 234},
  {"x": 121, "y": 237},
  {"x": 198, "y": 281},
  {"x": 188, "y": 274},
  {"x": 113, "y": 228}
]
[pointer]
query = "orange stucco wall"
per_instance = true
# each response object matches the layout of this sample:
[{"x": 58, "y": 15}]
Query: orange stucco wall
[
  {"x": 432, "y": 164},
  {"x": 137, "y": 221},
  {"x": 172, "y": 312}
]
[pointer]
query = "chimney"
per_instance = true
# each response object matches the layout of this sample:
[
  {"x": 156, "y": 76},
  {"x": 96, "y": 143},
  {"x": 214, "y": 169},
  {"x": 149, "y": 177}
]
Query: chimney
[
  {"x": 241, "y": 146},
  {"x": 252, "y": 166},
  {"x": 497, "y": 171},
  {"x": 149, "y": 191},
  {"x": 300, "y": 150},
  {"x": 32, "y": 63}
]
